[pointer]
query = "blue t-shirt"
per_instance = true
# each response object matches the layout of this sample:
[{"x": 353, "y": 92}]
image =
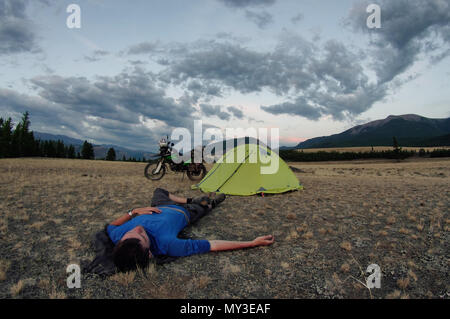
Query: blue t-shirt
[{"x": 162, "y": 229}]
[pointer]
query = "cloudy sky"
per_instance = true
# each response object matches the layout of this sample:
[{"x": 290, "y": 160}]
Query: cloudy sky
[{"x": 136, "y": 70}]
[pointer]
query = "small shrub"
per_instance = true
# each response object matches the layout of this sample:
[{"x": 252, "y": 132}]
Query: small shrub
[{"x": 346, "y": 245}]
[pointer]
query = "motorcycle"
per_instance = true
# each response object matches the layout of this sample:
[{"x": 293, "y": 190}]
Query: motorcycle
[{"x": 156, "y": 171}]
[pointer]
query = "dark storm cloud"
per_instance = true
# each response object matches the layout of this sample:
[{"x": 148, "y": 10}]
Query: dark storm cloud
[
  {"x": 226, "y": 36},
  {"x": 122, "y": 97},
  {"x": 163, "y": 62},
  {"x": 343, "y": 105},
  {"x": 261, "y": 19},
  {"x": 319, "y": 79},
  {"x": 314, "y": 104},
  {"x": 297, "y": 18},
  {"x": 336, "y": 86},
  {"x": 111, "y": 109},
  {"x": 328, "y": 78},
  {"x": 97, "y": 55},
  {"x": 47, "y": 69},
  {"x": 17, "y": 33},
  {"x": 300, "y": 107},
  {"x": 409, "y": 28},
  {"x": 41, "y": 111},
  {"x": 247, "y": 3},
  {"x": 143, "y": 48},
  {"x": 339, "y": 68},
  {"x": 236, "y": 112},
  {"x": 101, "y": 52},
  {"x": 237, "y": 67},
  {"x": 57, "y": 118},
  {"x": 137, "y": 63},
  {"x": 205, "y": 90},
  {"x": 214, "y": 110},
  {"x": 223, "y": 113}
]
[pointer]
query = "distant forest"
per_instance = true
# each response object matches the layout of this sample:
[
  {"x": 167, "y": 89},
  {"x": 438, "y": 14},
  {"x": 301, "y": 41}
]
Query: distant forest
[
  {"x": 397, "y": 152},
  {"x": 299, "y": 156},
  {"x": 19, "y": 141}
]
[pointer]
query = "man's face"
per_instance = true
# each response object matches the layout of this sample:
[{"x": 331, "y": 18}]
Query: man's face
[{"x": 139, "y": 233}]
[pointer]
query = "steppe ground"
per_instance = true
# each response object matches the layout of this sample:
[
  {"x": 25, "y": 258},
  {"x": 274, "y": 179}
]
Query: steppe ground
[
  {"x": 349, "y": 215},
  {"x": 368, "y": 149}
]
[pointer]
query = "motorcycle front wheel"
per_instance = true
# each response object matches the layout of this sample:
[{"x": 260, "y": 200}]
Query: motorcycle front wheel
[{"x": 152, "y": 172}]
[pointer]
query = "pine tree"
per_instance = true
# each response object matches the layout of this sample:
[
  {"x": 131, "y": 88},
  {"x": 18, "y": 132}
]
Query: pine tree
[
  {"x": 395, "y": 145},
  {"x": 16, "y": 147},
  {"x": 71, "y": 152},
  {"x": 28, "y": 144},
  {"x": 111, "y": 156},
  {"x": 5, "y": 138},
  {"x": 397, "y": 149},
  {"x": 60, "y": 149},
  {"x": 38, "y": 148},
  {"x": 22, "y": 138},
  {"x": 87, "y": 151},
  {"x": 51, "y": 148}
]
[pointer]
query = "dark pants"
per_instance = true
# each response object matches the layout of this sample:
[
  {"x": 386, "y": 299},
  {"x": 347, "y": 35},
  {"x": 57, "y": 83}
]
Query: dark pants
[{"x": 196, "y": 211}]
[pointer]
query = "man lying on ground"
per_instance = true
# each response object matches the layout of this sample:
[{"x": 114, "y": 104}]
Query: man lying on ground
[{"x": 152, "y": 231}]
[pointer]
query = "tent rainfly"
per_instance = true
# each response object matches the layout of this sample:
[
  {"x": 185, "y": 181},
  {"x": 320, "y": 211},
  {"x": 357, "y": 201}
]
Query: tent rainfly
[{"x": 249, "y": 169}]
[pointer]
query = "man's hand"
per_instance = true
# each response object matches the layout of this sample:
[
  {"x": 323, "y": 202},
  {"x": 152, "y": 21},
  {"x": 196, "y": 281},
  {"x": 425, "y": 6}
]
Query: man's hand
[
  {"x": 146, "y": 211},
  {"x": 264, "y": 240}
]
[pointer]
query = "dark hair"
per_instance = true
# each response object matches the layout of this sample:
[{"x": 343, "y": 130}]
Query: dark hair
[{"x": 129, "y": 254}]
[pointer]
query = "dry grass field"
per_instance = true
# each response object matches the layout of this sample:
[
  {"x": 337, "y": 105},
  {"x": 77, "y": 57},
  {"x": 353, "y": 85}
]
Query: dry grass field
[
  {"x": 368, "y": 149},
  {"x": 350, "y": 215}
]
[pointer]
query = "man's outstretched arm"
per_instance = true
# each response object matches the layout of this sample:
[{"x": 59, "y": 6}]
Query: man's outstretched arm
[
  {"x": 186, "y": 247},
  {"x": 221, "y": 245}
]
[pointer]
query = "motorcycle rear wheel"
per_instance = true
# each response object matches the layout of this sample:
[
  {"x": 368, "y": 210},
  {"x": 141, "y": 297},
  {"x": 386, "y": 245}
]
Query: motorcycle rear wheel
[{"x": 198, "y": 174}]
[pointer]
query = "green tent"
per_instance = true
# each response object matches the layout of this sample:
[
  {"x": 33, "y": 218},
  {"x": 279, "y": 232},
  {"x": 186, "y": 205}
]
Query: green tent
[{"x": 249, "y": 169}]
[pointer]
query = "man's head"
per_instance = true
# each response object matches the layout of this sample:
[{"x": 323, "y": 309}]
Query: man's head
[{"x": 132, "y": 250}]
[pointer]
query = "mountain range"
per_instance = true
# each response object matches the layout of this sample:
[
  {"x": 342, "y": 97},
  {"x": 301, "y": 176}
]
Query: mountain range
[{"x": 409, "y": 130}]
